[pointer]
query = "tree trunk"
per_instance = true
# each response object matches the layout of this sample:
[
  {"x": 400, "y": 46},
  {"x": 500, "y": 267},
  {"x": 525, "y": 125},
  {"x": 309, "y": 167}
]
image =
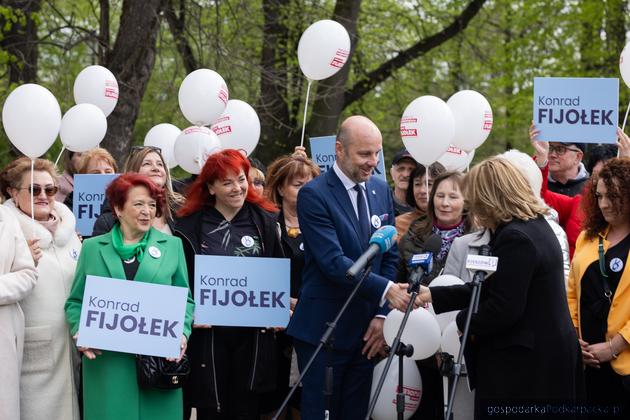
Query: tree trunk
[
  {"x": 329, "y": 102},
  {"x": 131, "y": 60},
  {"x": 20, "y": 41},
  {"x": 273, "y": 105}
]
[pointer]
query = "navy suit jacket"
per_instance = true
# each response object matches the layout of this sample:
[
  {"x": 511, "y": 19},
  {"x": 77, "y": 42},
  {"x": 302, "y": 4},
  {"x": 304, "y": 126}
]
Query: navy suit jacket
[{"x": 331, "y": 245}]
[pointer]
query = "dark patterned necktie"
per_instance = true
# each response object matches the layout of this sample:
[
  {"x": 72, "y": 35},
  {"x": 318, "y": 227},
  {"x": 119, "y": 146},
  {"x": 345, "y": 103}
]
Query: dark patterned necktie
[{"x": 364, "y": 223}]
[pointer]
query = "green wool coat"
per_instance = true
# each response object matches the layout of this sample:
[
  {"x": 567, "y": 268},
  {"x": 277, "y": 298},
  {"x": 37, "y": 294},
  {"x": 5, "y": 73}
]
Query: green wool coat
[{"x": 110, "y": 389}]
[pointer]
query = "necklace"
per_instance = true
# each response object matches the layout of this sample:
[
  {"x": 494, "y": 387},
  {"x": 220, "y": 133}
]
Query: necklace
[
  {"x": 293, "y": 231},
  {"x": 130, "y": 260}
]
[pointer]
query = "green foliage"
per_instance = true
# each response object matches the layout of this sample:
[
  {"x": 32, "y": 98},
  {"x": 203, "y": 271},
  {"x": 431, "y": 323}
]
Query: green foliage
[{"x": 505, "y": 46}]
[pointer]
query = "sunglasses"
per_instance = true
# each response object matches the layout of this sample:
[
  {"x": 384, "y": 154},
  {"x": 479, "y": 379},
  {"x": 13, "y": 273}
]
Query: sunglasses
[
  {"x": 135, "y": 149},
  {"x": 36, "y": 190},
  {"x": 561, "y": 150}
]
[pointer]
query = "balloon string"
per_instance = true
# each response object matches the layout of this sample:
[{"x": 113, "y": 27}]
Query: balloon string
[
  {"x": 308, "y": 91},
  {"x": 59, "y": 157},
  {"x": 32, "y": 199},
  {"x": 426, "y": 183},
  {"x": 625, "y": 119}
]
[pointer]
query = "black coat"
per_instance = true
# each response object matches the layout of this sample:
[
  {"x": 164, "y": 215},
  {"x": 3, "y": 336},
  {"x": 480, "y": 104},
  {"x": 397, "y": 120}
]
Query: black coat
[
  {"x": 200, "y": 389},
  {"x": 523, "y": 343}
]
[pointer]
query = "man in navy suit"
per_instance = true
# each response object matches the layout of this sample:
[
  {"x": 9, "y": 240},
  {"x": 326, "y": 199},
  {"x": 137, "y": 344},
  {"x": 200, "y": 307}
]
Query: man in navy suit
[{"x": 338, "y": 212}]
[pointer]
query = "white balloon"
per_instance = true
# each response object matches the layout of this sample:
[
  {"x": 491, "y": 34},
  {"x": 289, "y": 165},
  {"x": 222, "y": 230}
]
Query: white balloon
[
  {"x": 450, "y": 340},
  {"x": 96, "y": 85},
  {"x": 323, "y": 49},
  {"x": 31, "y": 118},
  {"x": 455, "y": 159},
  {"x": 82, "y": 127},
  {"x": 385, "y": 408},
  {"x": 163, "y": 136},
  {"x": 422, "y": 331},
  {"x": 239, "y": 127},
  {"x": 193, "y": 146},
  {"x": 427, "y": 127},
  {"x": 203, "y": 96},
  {"x": 446, "y": 280},
  {"x": 445, "y": 318},
  {"x": 624, "y": 64},
  {"x": 473, "y": 119}
]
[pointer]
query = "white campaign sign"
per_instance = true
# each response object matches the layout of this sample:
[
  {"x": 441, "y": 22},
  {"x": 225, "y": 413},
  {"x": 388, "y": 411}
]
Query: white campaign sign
[{"x": 132, "y": 317}]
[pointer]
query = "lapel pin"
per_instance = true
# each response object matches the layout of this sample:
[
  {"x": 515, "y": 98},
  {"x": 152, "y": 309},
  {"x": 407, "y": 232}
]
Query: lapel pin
[
  {"x": 373, "y": 192},
  {"x": 154, "y": 252}
]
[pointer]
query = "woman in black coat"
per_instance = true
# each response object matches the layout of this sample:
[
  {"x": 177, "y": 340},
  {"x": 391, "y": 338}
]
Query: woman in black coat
[
  {"x": 522, "y": 347},
  {"x": 230, "y": 366}
]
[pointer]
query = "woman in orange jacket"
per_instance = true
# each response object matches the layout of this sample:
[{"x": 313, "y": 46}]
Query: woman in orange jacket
[{"x": 599, "y": 286}]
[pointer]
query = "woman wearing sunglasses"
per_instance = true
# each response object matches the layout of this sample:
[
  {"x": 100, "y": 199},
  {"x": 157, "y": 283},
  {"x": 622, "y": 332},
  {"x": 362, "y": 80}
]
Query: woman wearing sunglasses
[
  {"x": 48, "y": 381},
  {"x": 146, "y": 160}
]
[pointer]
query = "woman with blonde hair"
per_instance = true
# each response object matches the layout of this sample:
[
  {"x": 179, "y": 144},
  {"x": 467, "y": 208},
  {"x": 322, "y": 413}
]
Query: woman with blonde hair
[
  {"x": 522, "y": 343},
  {"x": 146, "y": 160},
  {"x": 49, "y": 377}
]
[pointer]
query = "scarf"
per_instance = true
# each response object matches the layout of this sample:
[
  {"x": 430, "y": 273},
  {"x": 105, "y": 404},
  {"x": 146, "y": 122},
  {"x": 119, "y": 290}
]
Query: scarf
[
  {"x": 128, "y": 251},
  {"x": 448, "y": 235},
  {"x": 52, "y": 223}
]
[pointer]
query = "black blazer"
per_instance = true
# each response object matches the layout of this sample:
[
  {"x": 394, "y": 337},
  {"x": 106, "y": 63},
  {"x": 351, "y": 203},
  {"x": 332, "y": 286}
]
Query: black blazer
[{"x": 523, "y": 344}]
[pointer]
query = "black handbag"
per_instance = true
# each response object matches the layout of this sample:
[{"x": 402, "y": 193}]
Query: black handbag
[{"x": 157, "y": 372}]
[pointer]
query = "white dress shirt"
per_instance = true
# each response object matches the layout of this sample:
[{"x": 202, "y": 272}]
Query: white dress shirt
[{"x": 353, "y": 194}]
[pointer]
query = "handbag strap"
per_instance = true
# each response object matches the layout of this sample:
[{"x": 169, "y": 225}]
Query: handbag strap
[{"x": 602, "y": 270}]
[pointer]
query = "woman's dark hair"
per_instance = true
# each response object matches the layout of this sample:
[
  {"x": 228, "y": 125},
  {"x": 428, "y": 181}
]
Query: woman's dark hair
[
  {"x": 435, "y": 169},
  {"x": 600, "y": 152},
  {"x": 118, "y": 191},
  {"x": 616, "y": 177}
]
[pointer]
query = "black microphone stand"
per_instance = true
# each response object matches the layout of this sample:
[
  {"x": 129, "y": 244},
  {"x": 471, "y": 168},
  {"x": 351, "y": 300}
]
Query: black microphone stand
[
  {"x": 325, "y": 341},
  {"x": 401, "y": 350},
  {"x": 454, "y": 369}
]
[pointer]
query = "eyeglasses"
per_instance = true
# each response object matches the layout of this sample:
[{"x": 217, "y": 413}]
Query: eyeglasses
[
  {"x": 561, "y": 149},
  {"x": 136, "y": 149},
  {"x": 49, "y": 190}
]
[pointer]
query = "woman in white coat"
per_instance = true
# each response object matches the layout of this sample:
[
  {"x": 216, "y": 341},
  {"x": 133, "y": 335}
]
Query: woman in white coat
[
  {"x": 50, "y": 363},
  {"x": 17, "y": 279}
]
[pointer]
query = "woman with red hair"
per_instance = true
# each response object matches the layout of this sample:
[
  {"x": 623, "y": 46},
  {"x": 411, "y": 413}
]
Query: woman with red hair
[
  {"x": 132, "y": 250},
  {"x": 223, "y": 215}
]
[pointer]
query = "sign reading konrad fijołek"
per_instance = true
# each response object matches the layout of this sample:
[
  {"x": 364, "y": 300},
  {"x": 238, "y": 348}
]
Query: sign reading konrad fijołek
[
  {"x": 242, "y": 291},
  {"x": 88, "y": 198},
  {"x": 578, "y": 110},
  {"x": 132, "y": 317},
  {"x": 323, "y": 154}
]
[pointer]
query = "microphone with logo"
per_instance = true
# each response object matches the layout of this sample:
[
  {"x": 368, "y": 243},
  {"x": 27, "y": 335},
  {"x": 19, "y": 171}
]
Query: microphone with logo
[
  {"x": 421, "y": 265},
  {"x": 380, "y": 242},
  {"x": 482, "y": 265}
]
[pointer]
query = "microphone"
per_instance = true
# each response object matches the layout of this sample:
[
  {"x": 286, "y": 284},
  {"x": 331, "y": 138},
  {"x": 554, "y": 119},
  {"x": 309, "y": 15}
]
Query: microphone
[
  {"x": 422, "y": 264},
  {"x": 483, "y": 264},
  {"x": 380, "y": 242}
]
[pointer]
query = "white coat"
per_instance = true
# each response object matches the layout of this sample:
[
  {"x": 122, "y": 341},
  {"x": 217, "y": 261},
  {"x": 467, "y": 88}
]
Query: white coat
[
  {"x": 48, "y": 381},
  {"x": 17, "y": 279}
]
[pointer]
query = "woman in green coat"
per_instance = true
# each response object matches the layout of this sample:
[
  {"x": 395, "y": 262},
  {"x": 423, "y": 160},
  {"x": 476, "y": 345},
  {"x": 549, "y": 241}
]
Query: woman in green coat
[{"x": 132, "y": 250}]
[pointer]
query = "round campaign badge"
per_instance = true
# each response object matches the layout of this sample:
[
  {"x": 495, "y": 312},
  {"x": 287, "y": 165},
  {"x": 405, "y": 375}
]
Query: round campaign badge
[
  {"x": 616, "y": 265},
  {"x": 301, "y": 246},
  {"x": 247, "y": 241},
  {"x": 376, "y": 221},
  {"x": 154, "y": 252},
  {"x": 74, "y": 254}
]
